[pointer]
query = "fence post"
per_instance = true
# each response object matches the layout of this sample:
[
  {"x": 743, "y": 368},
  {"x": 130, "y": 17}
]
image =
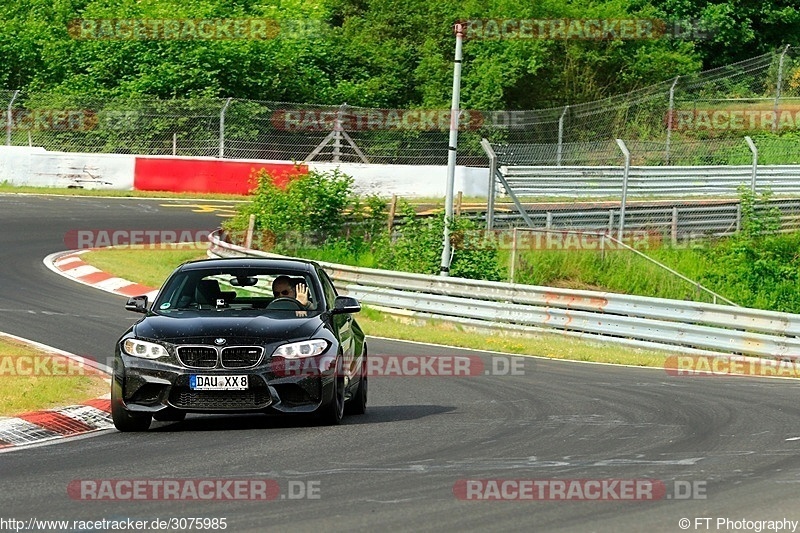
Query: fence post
[
  {"x": 560, "y": 135},
  {"x": 337, "y": 136},
  {"x": 674, "y": 228},
  {"x": 392, "y": 210},
  {"x": 670, "y": 114},
  {"x": 10, "y": 118},
  {"x": 513, "y": 255},
  {"x": 778, "y": 88},
  {"x": 222, "y": 128},
  {"x": 487, "y": 147},
  {"x": 251, "y": 224},
  {"x": 175, "y": 143},
  {"x": 753, "y": 149},
  {"x": 625, "y": 173}
]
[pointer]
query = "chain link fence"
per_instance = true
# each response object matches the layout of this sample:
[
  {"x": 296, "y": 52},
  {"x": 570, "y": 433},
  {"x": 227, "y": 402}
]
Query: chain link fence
[{"x": 689, "y": 120}]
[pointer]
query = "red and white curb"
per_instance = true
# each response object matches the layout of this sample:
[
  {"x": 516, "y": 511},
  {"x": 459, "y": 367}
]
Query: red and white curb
[
  {"x": 49, "y": 425},
  {"x": 70, "y": 265}
]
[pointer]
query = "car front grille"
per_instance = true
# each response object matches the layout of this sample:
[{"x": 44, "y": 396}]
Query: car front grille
[
  {"x": 241, "y": 356},
  {"x": 198, "y": 356},
  {"x": 256, "y": 397}
]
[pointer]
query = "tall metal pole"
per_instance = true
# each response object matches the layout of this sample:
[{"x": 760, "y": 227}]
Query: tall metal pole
[
  {"x": 458, "y": 28},
  {"x": 222, "y": 128},
  {"x": 10, "y": 118},
  {"x": 778, "y": 88},
  {"x": 670, "y": 116}
]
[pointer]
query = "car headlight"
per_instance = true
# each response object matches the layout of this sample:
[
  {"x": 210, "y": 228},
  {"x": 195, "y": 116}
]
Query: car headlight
[
  {"x": 148, "y": 350},
  {"x": 301, "y": 349}
]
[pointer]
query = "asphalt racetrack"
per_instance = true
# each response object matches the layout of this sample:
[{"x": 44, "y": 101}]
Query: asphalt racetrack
[{"x": 721, "y": 448}]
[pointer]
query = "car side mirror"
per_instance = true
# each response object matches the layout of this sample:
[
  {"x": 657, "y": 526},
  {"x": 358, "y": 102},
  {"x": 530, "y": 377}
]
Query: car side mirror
[
  {"x": 137, "y": 304},
  {"x": 345, "y": 304}
]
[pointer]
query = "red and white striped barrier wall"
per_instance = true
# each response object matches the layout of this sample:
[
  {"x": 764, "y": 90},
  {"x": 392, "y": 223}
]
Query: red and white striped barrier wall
[{"x": 23, "y": 165}]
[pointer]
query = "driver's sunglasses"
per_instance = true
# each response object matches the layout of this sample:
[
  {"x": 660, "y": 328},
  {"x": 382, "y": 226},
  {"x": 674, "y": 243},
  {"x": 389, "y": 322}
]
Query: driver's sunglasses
[{"x": 284, "y": 292}]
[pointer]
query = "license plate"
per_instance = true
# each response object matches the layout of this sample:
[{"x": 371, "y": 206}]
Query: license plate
[{"x": 199, "y": 382}]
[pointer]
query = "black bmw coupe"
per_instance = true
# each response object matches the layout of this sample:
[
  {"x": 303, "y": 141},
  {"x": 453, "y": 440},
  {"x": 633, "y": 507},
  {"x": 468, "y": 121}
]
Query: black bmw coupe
[{"x": 241, "y": 335}]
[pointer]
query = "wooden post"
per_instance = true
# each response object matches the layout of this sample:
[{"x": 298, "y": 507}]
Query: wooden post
[
  {"x": 674, "y": 225},
  {"x": 458, "y": 203},
  {"x": 392, "y": 209},
  {"x": 248, "y": 242}
]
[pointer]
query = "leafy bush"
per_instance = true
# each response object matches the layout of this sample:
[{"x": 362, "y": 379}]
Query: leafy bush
[
  {"x": 418, "y": 248},
  {"x": 758, "y": 267},
  {"x": 309, "y": 208}
]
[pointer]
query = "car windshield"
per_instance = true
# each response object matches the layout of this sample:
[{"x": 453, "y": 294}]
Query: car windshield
[{"x": 239, "y": 291}]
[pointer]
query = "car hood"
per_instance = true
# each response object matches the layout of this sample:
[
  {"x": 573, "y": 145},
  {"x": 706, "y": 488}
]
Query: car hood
[{"x": 235, "y": 329}]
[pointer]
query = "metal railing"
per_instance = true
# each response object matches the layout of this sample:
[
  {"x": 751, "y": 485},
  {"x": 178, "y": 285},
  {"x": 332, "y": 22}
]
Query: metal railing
[
  {"x": 634, "y": 320},
  {"x": 651, "y": 181},
  {"x": 677, "y": 221}
]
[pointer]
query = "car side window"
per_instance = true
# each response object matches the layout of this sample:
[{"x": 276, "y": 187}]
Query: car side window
[{"x": 328, "y": 289}]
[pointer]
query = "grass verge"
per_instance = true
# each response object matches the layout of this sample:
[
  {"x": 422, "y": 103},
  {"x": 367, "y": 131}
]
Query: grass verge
[
  {"x": 32, "y": 379},
  {"x": 133, "y": 264},
  {"x": 148, "y": 265}
]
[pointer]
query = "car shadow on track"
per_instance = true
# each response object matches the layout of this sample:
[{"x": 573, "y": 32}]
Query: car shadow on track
[{"x": 374, "y": 415}]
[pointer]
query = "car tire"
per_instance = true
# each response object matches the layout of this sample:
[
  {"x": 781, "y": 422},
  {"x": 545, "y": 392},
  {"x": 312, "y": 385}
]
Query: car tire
[
  {"x": 169, "y": 415},
  {"x": 358, "y": 403},
  {"x": 124, "y": 420},
  {"x": 333, "y": 412}
]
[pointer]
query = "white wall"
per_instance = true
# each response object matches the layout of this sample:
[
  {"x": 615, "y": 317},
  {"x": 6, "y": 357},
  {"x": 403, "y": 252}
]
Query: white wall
[
  {"x": 411, "y": 180},
  {"x": 40, "y": 168}
]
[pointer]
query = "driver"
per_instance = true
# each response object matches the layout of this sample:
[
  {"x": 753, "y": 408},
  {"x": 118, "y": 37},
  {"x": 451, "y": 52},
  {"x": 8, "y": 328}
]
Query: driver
[{"x": 284, "y": 287}]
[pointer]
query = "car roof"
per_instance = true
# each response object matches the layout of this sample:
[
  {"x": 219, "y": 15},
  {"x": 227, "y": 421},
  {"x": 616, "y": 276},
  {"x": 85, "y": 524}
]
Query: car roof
[{"x": 300, "y": 265}]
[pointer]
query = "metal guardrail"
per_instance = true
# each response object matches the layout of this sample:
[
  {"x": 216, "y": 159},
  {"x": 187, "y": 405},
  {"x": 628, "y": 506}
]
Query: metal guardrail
[
  {"x": 651, "y": 181},
  {"x": 676, "y": 219},
  {"x": 610, "y": 317}
]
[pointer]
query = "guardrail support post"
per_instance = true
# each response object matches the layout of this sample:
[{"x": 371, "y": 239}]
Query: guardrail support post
[
  {"x": 490, "y": 153},
  {"x": 625, "y": 173},
  {"x": 10, "y": 118},
  {"x": 753, "y": 149}
]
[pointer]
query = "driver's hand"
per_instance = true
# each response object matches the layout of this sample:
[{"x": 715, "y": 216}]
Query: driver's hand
[{"x": 302, "y": 294}]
